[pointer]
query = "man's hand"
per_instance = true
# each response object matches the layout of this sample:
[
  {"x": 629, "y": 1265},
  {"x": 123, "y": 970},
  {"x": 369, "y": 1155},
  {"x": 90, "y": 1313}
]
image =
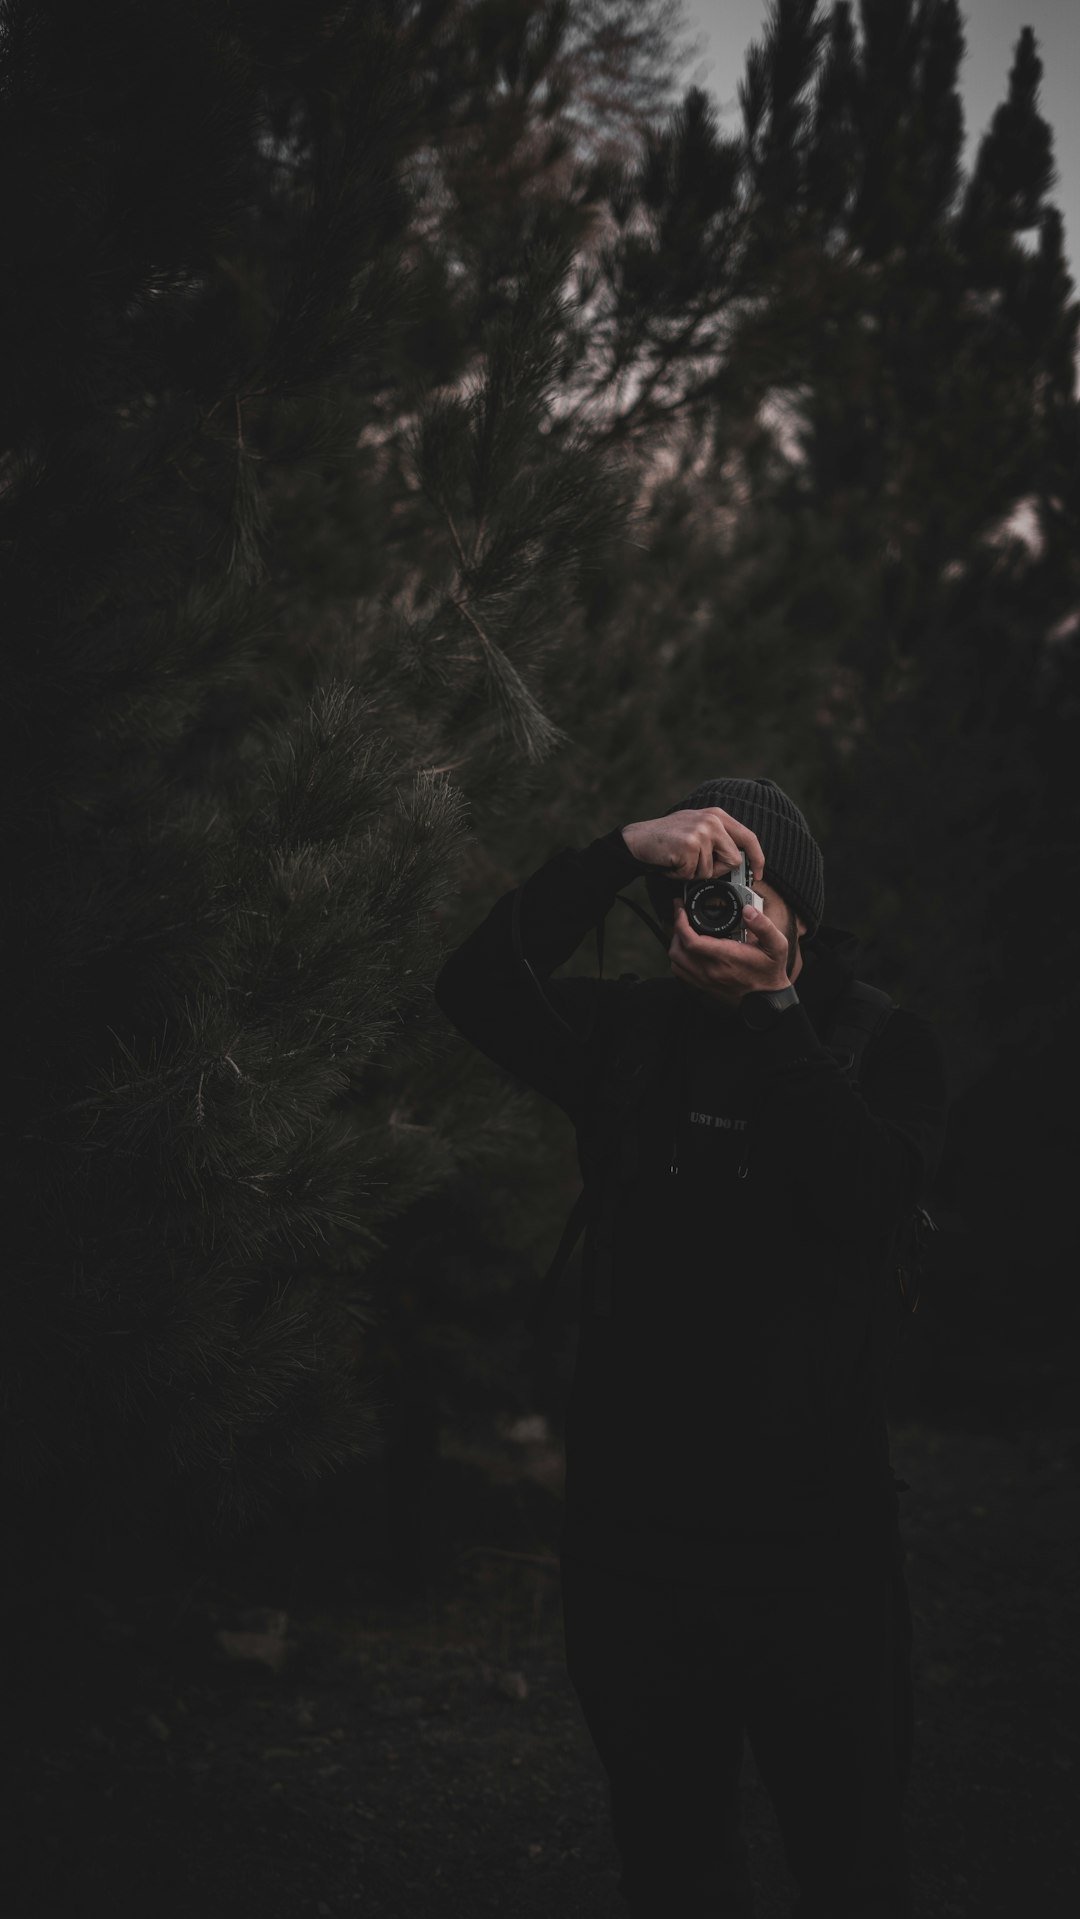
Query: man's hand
[
  {"x": 695, "y": 844},
  {"x": 729, "y": 969}
]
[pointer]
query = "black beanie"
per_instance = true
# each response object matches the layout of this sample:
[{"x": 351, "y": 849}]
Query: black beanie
[{"x": 793, "y": 862}]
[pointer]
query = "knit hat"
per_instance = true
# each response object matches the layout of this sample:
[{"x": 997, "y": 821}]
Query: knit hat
[{"x": 793, "y": 862}]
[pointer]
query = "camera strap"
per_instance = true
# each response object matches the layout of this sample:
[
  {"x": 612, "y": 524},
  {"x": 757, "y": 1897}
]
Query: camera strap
[
  {"x": 655, "y": 929},
  {"x": 519, "y": 953}
]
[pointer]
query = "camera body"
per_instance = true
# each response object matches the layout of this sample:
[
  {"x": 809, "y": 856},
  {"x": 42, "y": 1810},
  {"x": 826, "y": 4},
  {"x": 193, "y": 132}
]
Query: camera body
[{"x": 714, "y": 906}]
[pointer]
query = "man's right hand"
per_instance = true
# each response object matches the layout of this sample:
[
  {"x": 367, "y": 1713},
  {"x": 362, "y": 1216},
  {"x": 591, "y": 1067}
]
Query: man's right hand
[{"x": 694, "y": 844}]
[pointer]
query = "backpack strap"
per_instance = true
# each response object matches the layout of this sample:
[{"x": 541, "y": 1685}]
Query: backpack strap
[{"x": 862, "y": 1014}]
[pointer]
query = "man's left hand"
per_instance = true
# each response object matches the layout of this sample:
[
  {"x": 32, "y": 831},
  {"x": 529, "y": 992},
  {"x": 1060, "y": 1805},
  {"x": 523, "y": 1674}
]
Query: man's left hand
[{"x": 729, "y": 969}]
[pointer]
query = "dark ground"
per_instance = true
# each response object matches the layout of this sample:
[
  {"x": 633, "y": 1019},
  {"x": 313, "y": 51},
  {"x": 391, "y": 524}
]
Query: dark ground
[{"x": 425, "y": 1759}]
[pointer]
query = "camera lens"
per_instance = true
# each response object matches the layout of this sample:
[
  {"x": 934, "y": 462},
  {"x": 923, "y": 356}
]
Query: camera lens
[{"x": 713, "y": 907}]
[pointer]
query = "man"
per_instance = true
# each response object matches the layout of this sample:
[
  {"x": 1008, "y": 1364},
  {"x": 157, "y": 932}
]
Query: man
[{"x": 731, "y": 1562}]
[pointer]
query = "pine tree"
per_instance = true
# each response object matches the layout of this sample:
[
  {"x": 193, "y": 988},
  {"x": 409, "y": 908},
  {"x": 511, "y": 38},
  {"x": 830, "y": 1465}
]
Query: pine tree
[
  {"x": 230, "y": 820},
  {"x": 848, "y": 375},
  {"x": 854, "y": 405},
  {"x": 842, "y": 376},
  {"x": 438, "y": 459}
]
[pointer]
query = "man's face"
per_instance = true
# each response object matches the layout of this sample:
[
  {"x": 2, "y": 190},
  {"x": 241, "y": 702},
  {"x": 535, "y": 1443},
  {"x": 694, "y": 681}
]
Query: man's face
[{"x": 776, "y": 909}]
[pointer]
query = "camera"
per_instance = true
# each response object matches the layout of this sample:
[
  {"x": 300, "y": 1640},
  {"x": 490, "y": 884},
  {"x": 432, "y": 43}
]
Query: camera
[{"x": 714, "y": 906}]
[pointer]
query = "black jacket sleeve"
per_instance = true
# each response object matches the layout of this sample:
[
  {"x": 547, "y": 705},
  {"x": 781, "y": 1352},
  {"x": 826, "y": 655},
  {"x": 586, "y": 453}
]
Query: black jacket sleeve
[
  {"x": 858, "y": 1155},
  {"x": 487, "y": 993}
]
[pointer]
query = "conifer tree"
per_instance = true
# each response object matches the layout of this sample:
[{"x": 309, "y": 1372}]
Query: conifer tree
[
  {"x": 849, "y": 375},
  {"x": 231, "y": 723},
  {"x": 793, "y": 337},
  {"x": 840, "y": 377},
  {"x": 323, "y": 628}
]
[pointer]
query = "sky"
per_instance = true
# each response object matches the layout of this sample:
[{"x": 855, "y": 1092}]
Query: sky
[{"x": 991, "y": 28}]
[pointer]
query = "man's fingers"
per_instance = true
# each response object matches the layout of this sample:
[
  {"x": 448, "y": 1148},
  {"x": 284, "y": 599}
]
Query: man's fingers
[
  {"x": 748, "y": 843},
  {"x": 767, "y": 935},
  {"x": 719, "y": 852},
  {"x": 709, "y": 842},
  {"x": 731, "y": 840},
  {"x": 685, "y": 940},
  {"x": 683, "y": 927},
  {"x": 755, "y": 856},
  {"x": 728, "y": 969},
  {"x": 682, "y": 924}
]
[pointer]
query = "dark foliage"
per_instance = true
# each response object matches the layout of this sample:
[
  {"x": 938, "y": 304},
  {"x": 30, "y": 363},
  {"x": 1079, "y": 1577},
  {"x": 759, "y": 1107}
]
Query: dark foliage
[
  {"x": 234, "y": 697},
  {"x": 419, "y": 449}
]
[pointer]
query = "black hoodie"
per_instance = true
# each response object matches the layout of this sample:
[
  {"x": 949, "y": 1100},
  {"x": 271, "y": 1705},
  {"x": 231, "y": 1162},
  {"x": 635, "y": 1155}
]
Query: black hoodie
[{"x": 726, "y": 1416}]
